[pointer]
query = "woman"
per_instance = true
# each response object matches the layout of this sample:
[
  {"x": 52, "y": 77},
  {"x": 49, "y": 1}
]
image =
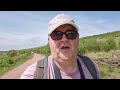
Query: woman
[{"x": 63, "y": 63}]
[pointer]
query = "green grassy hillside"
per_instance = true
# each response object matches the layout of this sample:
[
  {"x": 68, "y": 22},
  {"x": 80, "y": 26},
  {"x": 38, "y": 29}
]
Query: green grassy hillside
[{"x": 101, "y": 42}]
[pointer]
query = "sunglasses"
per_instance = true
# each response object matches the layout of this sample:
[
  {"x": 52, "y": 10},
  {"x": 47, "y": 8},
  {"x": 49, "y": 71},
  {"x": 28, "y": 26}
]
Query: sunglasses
[{"x": 70, "y": 34}]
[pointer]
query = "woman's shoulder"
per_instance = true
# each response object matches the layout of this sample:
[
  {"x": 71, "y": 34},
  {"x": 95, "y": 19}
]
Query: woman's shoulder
[{"x": 29, "y": 72}]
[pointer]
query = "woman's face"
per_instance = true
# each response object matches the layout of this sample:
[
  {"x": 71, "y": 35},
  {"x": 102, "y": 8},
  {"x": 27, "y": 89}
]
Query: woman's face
[{"x": 64, "y": 49}]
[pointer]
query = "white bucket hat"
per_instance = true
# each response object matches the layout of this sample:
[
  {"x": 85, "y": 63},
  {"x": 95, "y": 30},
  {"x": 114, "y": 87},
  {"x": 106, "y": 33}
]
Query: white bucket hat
[{"x": 59, "y": 20}]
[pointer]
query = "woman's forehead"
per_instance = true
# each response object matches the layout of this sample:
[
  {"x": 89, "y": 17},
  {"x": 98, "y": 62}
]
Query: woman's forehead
[{"x": 65, "y": 27}]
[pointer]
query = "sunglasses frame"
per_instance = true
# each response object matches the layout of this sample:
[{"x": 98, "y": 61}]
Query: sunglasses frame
[{"x": 72, "y": 31}]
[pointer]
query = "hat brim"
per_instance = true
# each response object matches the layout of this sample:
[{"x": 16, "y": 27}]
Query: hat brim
[{"x": 57, "y": 25}]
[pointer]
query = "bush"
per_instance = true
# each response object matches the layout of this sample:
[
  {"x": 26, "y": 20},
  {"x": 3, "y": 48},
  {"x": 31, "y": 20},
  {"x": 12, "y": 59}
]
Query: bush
[
  {"x": 110, "y": 44},
  {"x": 12, "y": 53},
  {"x": 81, "y": 47},
  {"x": 87, "y": 45},
  {"x": 21, "y": 51},
  {"x": 93, "y": 45},
  {"x": 119, "y": 44},
  {"x": 81, "y": 50},
  {"x": 45, "y": 50},
  {"x": 6, "y": 61},
  {"x": 107, "y": 44},
  {"x": 102, "y": 45}
]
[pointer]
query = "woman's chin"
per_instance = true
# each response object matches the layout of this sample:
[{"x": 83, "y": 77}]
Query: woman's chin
[{"x": 65, "y": 57}]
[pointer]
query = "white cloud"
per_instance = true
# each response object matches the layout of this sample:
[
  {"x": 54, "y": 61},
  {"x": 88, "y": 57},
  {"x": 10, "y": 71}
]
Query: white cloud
[
  {"x": 21, "y": 21},
  {"x": 21, "y": 30},
  {"x": 101, "y": 21},
  {"x": 16, "y": 40}
]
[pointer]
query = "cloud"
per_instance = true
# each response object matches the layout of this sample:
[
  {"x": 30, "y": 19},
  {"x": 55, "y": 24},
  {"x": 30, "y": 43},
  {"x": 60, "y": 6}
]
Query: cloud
[
  {"x": 21, "y": 30},
  {"x": 92, "y": 26},
  {"x": 22, "y": 22},
  {"x": 101, "y": 21},
  {"x": 16, "y": 40}
]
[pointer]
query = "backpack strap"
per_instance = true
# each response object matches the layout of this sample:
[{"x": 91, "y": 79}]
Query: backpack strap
[
  {"x": 89, "y": 64},
  {"x": 41, "y": 70},
  {"x": 80, "y": 70},
  {"x": 46, "y": 66},
  {"x": 56, "y": 71},
  {"x": 58, "y": 74}
]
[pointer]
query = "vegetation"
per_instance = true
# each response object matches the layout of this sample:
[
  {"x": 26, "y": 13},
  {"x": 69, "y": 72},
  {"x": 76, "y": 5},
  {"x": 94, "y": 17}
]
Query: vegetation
[
  {"x": 102, "y": 42},
  {"x": 109, "y": 66},
  {"x": 45, "y": 50},
  {"x": 11, "y": 59}
]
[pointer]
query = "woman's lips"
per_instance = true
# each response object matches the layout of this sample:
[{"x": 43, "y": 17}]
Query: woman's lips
[{"x": 65, "y": 48}]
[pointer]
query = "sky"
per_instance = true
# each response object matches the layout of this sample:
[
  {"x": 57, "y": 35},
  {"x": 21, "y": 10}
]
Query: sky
[{"x": 27, "y": 29}]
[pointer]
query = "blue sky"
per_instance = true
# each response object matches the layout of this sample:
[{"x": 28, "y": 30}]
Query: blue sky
[{"x": 26, "y": 29}]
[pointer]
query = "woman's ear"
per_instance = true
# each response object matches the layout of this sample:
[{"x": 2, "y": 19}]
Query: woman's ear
[
  {"x": 48, "y": 38},
  {"x": 78, "y": 35}
]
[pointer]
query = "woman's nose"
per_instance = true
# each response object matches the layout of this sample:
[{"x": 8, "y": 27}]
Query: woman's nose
[{"x": 64, "y": 38}]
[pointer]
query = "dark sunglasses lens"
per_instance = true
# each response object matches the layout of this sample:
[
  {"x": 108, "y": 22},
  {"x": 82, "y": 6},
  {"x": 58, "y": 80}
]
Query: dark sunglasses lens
[
  {"x": 71, "y": 34},
  {"x": 56, "y": 35}
]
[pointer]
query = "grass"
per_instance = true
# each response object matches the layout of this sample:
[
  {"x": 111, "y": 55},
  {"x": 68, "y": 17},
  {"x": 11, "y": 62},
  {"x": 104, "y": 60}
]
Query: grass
[
  {"x": 101, "y": 54},
  {"x": 103, "y": 70},
  {"x": 19, "y": 61},
  {"x": 106, "y": 69}
]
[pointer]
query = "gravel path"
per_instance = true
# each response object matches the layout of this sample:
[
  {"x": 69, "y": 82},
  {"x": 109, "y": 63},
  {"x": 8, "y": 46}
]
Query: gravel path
[{"x": 16, "y": 72}]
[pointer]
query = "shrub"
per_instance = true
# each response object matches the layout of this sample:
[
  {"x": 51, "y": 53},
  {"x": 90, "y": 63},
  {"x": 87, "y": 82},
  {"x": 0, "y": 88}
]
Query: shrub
[
  {"x": 119, "y": 44},
  {"x": 12, "y": 53},
  {"x": 87, "y": 45},
  {"x": 6, "y": 61},
  {"x": 81, "y": 47},
  {"x": 21, "y": 51},
  {"x": 110, "y": 44},
  {"x": 93, "y": 45},
  {"x": 102, "y": 45},
  {"x": 45, "y": 50},
  {"x": 81, "y": 50}
]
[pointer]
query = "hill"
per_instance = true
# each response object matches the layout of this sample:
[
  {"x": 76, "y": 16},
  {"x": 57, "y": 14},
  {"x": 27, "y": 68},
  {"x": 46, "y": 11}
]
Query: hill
[{"x": 102, "y": 42}]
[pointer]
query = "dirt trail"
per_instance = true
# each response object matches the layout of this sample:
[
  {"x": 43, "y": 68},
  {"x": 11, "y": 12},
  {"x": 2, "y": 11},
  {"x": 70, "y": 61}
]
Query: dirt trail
[{"x": 16, "y": 72}]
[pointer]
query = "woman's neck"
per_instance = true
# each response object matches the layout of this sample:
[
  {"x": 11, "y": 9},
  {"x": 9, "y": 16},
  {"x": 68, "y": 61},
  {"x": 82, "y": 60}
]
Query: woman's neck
[{"x": 68, "y": 66}]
